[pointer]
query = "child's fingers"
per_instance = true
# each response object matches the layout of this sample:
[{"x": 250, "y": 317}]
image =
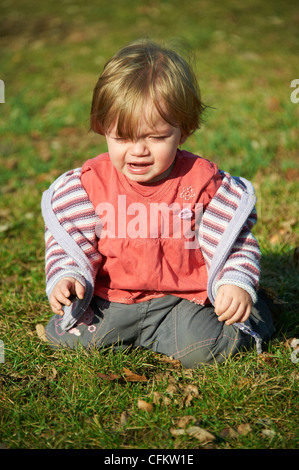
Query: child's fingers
[
  {"x": 58, "y": 299},
  {"x": 62, "y": 298},
  {"x": 56, "y": 306},
  {"x": 62, "y": 292},
  {"x": 79, "y": 290},
  {"x": 222, "y": 303},
  {"x": 232, "y": 311},
  {"x": 240, "y": 315}
]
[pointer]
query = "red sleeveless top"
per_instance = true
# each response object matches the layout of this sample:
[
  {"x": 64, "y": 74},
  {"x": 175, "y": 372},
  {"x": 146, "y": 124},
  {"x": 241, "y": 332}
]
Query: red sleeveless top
[{"x": 147, "y": 232}]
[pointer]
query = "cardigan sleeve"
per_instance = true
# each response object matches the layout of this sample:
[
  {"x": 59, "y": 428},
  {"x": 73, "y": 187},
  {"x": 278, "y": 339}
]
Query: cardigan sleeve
[
  {"x": 77, "y": 218},
  {"x": 242, "y": 266},
  {"x": 230, "y": 251}
]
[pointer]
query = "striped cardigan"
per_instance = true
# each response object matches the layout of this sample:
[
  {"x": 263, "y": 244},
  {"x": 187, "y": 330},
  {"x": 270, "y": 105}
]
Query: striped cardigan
[{"x": 230, "y": 251}]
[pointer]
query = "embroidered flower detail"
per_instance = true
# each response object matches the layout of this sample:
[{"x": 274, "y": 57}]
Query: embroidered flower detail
[
  {"x": 75, "y": 331},
  {"x": 197, "y": 301},
  {"x": 187, "y": 193},
  {"x": 186, "y": 214}
]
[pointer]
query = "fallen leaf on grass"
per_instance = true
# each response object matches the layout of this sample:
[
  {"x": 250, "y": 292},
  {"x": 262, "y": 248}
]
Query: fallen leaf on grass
[
  {"x": 294, "y": 343},
  {"x": 201, "y": 434},
  {"x": 190, "y": 391},
  {"x": 144, "y": 405},
  {"x": 110, "y": 377},
  {"x": 128, "y": 376},
  {"x": 55, "y": 373},
  {"x": 229, "y": 433},
  {"x": 41, "y": 333},
  {"x": 268, "y": 433},
  {"x": 160, "y": 399},
  {"x": 244, "y": 429},
  {"x": 132, "y": 377},
  {"x": 187, "y": 399},
  {"x": 124, "y": 417},
  {"x": 172, "y": 389},
  {"x": 184, "y": 421},
  {"x": 167, "y": 377},
  {"x": 196, "y": 432},
  {"x": 295, "y": 356},
  {"x": 266, "y": 358},
  {"x": 169, "y": 360},
  {"x": 177, "y": 432}
]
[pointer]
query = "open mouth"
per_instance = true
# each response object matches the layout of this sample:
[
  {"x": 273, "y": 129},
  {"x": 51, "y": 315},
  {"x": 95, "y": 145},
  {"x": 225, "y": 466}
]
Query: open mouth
[
  {"x": 139, "y": 164},
  {"x": 139, "y": 168}
]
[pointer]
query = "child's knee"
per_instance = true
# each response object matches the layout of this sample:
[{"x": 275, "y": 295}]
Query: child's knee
[
  {"x": 218, "y": 350},
  {"x": 200, "y": 357}
]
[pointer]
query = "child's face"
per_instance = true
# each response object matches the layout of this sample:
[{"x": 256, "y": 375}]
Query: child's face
[{"x": 150, "y": 156}]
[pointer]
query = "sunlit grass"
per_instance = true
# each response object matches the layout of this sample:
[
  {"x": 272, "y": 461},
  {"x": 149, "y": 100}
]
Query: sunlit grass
[{"x": 245, "y": 57}]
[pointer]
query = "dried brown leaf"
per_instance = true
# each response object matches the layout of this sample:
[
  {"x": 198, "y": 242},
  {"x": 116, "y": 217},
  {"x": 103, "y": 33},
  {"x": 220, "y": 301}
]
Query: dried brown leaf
[
  {"x": 144, "y": 405},
  {"x": 172, "y": 389},
  {"x": 41, "y": 333},
  {"x": 266, "y": 358},
  {"x": 132, "y": 377},
  {"x": 188, "y": 373},
  {"x": 268, "y": 433},
  {"x": 294, "y": 343},
  {"x": 124, "y": 417},
  {"x": 244, "y": 429},
  {"x": 55, "y": 373},
  {"x": 228, "y": 433},
  {"x": 158, "y": 398},
  {"x": 193, "y": 389},
  {"x": 185, "y": 421},
  {"x": 187, "y": 399},
  {"x": 167, "y": 377},
  {"x": 169, "y": 360},
  {"x": 110, "y": 377},
  {"x": 201, "y": 434},
  {"x": 129, "y": 376},
  {"x": 177, "y": 432}
]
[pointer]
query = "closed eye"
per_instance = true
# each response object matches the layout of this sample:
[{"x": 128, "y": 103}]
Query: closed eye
[
  {"x": 159, "y": 137},
  {"x": 120, "y": 139}
]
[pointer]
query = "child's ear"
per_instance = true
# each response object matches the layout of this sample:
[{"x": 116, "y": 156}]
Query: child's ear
[{"x": 183, "y": 139}]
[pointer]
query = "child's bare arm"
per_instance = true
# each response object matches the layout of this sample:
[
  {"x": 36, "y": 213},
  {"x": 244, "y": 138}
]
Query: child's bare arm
[
  {"x": 232, "y": 304},
  {"x": 62, "y": 291}
]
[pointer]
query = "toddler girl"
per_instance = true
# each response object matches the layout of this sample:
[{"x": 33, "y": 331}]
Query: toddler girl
[{"x": 148, "y": 245}]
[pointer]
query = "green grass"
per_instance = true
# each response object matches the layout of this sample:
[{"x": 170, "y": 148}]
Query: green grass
[{"x": 246, "y": 56}]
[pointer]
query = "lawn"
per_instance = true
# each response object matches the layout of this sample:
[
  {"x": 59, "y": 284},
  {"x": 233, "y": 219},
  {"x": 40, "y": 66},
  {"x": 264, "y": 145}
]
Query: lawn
[{"x": 246, "y": 56}]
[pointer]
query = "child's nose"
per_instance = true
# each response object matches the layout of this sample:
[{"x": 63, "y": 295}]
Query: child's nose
[{"x": 139, "y": 148}]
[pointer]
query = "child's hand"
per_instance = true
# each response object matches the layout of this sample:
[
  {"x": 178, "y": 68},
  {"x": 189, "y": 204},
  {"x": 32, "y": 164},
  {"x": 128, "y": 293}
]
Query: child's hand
[
  {"x": 232, "y": 304},
  {"x": 62, "y": 291}
]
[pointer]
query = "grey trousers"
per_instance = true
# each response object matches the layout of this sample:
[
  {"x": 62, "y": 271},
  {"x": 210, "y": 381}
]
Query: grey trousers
[{"x": 169, "y": 325}]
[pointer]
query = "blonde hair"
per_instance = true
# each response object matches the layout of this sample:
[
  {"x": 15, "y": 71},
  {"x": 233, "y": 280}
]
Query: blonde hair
[{"x": 143, "y": 71}]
